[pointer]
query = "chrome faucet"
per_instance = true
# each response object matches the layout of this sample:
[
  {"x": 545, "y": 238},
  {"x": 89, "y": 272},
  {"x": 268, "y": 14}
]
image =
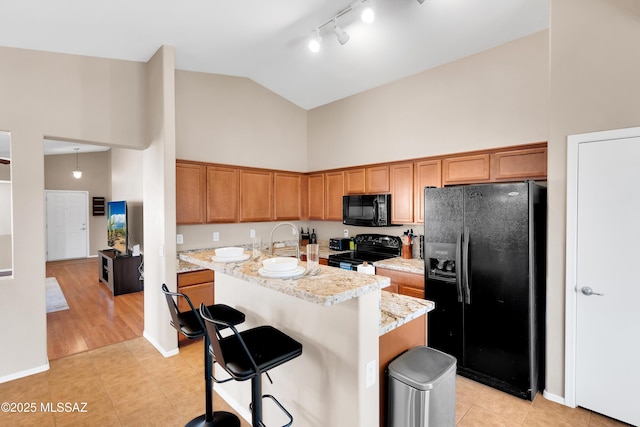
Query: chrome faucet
[{"x": 295, "y": 231}]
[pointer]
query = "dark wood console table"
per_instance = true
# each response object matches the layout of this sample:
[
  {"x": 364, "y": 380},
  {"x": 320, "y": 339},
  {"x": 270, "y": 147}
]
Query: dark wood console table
[{"x": 119, "y": 273}]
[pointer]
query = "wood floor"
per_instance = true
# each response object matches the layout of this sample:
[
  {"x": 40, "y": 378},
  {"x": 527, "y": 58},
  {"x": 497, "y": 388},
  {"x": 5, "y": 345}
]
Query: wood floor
[{"x": 95, "y": 317}]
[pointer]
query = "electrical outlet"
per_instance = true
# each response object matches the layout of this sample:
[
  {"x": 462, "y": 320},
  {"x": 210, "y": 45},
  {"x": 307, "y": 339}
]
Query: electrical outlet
[
  {"x": 216, "y": 236},
  {"x": 371, "y": 373},
  {"x": 346, "y": 233},
  {"x": 161, "y": 250},
  {"x": 252, "y": 233},
  {"x": 179, "y": 239}
]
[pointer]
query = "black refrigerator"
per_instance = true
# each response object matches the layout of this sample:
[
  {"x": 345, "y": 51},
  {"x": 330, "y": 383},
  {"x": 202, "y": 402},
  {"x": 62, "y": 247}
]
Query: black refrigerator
[{"x": 485, "y": 269}]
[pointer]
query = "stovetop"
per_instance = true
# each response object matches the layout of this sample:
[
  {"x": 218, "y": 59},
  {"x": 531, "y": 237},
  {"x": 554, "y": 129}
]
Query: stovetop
[{"x": 371, "y": 248}]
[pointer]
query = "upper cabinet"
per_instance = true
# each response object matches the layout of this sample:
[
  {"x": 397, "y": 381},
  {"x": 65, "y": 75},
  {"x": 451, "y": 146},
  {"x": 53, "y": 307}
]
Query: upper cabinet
[
  {"x": 369, "y": 180},
  {"x": 287, "y": 196},
  {"x": 401, "y": 193},
  {"x": 316, "y": 195},
  {"x": 222, "y": 194},
  {"x": 209, "y": 193},
  {"x": 427, "y": 173},
  {"x": 466, "y": 169},
  {"x": 256, "y": 195},
  {"x": 354, "y": 181},
  {"x": 190, "y": 191},
  {"x": 520, "y": 164},
  {"x": 334, "y": 190},
  {"x": 377, "y": 179}
]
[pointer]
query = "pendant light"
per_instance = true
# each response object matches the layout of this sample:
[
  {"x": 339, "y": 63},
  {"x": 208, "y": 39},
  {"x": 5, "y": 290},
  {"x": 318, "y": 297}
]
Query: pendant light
[{"x": 77, "y": 173}]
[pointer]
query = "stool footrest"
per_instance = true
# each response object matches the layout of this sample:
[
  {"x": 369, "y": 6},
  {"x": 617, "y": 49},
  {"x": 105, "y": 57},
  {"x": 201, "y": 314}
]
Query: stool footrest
[{"x": 282, "y": 408}]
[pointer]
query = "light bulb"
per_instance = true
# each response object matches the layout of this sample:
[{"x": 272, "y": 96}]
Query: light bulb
[
  {"x": 314, "y": 43},
  {"x": 77, "y": 174},
  {"x": 368, "y": 15}
]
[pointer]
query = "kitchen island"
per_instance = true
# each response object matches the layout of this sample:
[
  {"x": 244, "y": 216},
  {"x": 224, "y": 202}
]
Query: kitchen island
[{"x": 336, "y": 315}]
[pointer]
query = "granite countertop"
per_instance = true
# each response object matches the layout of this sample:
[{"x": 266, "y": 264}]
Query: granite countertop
[
  {"x": 413, "y": 265},
  {"x": 396, "y": 310},
  {"x": 330, "y": 286}
]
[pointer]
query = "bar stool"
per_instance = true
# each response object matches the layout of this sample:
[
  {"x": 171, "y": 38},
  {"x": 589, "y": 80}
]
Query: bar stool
[
  {"x": 246, "y": 355},
  {"x": 189, "y": 323}
]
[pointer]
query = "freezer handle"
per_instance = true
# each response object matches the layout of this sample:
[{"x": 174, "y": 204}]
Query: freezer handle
[
  {"x": 458, "y": 272},
  {"x": 465, "y": 257}
]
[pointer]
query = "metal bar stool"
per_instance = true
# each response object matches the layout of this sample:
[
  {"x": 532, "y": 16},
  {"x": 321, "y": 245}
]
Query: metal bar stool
[
  {"x": 190, "y": 324},
  {"x": 246, "y": 355}
]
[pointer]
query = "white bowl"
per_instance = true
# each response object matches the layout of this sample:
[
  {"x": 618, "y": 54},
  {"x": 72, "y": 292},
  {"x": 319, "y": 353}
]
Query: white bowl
[
  {"x": 229, "y": 252},
  {"x": 280, "y": 264}
]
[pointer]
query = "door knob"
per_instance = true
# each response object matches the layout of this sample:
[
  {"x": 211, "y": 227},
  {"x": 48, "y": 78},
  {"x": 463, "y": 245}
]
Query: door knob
[{"x": 588, "y": 291}]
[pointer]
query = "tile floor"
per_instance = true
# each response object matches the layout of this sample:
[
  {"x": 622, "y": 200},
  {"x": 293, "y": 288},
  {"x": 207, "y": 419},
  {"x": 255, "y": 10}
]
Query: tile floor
[{"x": 131, "y": 384}]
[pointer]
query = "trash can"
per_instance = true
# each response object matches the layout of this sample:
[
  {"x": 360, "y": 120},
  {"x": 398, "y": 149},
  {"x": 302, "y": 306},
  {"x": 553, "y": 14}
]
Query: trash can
[{"x": 422, "y": 389}]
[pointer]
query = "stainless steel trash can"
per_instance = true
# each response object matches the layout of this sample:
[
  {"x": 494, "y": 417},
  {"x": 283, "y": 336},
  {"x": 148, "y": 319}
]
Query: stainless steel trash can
[{"x": 422, "y": 389}]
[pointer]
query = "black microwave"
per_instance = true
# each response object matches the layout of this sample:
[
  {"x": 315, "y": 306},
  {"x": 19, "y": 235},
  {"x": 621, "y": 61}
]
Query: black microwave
[{"x": 372, "y": 210}]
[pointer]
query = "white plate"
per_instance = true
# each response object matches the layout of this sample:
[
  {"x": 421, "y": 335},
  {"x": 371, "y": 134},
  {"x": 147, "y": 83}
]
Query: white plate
[
  {"x": 298, "y": 271},
  {"x": 243, "y": 257}
]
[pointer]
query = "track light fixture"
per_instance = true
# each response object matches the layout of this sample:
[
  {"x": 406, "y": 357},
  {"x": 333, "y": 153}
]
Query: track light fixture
[
  {"x": 368, "y": 16},
  {"x": 342, "y": 36}
]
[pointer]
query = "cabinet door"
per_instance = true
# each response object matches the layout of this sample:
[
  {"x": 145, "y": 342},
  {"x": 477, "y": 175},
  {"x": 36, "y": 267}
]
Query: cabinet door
[
  {"x": 316, "y": 196},
  {"x": 411, "y": 284},
  {"x": 354, "y": 181},
  {"x": 256, "y": 195},
  {"x": 427, "y": 173},
  {"x": 334, "y": 190},
  {"x": 304, "y": 197},
  {"x": 411, "y": 291},
  {"x": 222, "y": 194},
  {"x": 466, "y": 169},
  {"x": 190, "y": 193},
  {"x": 401, "y": 193},
  {"x": 377, "y": 179},
  {"x": 202, "y": 292},
  {"x": 287, "y": 196},
  {"x": 516, "y": 165}
]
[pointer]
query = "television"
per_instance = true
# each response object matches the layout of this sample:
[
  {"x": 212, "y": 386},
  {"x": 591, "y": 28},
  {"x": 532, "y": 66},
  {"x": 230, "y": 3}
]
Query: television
[{"x": 117, "y": 235}]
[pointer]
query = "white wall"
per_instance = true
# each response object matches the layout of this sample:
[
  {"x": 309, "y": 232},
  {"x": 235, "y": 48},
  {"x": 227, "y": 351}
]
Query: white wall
[
  {"x": 97, "y": 101},
  {"x": 126, "y": 184},
  {"x": 495, "y": 98}
]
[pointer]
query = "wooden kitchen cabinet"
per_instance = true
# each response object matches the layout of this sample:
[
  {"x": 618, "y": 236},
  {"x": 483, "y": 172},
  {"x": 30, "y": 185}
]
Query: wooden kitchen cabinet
[
  {"x": 521, "y": 164},
  {"x": 190, "y": 193},
  {"x": 334, "y": 190},
  {"x": 222, "y": 194},
  {"x": 410, "y": 284},
  {"x": 427, "y": 173},
  {"x": 466, "y": 169},
  {"x": 354, "y": 181},
  {"x": 287, "y": 196},
  {"x": 377, "y": 179},
  {"x": 256, "y": 195},
  {"x": 199, "y": 287},
  {"x": 401, "y": 183},
  {"x": 316, "y": 196}
]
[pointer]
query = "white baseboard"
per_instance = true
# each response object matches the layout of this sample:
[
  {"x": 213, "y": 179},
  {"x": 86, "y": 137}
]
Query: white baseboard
[
  {"x": 552, "y": 397},
  {"x": 158, "y": 347},
  {"x": 23, "y": 374},
  {"x": 240, "y": 409}
]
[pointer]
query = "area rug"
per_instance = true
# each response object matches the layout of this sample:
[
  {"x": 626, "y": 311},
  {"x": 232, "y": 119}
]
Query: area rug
[{"x": 55, "y": 298}]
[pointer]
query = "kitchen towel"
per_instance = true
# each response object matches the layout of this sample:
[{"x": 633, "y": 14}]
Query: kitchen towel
[{"x": 55, "y": 298}]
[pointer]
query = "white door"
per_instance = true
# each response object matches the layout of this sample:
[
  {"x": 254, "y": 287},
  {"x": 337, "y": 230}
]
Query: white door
[
  {"x": 607, "y": 279},
  {"x": 66, "y": 224}
]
